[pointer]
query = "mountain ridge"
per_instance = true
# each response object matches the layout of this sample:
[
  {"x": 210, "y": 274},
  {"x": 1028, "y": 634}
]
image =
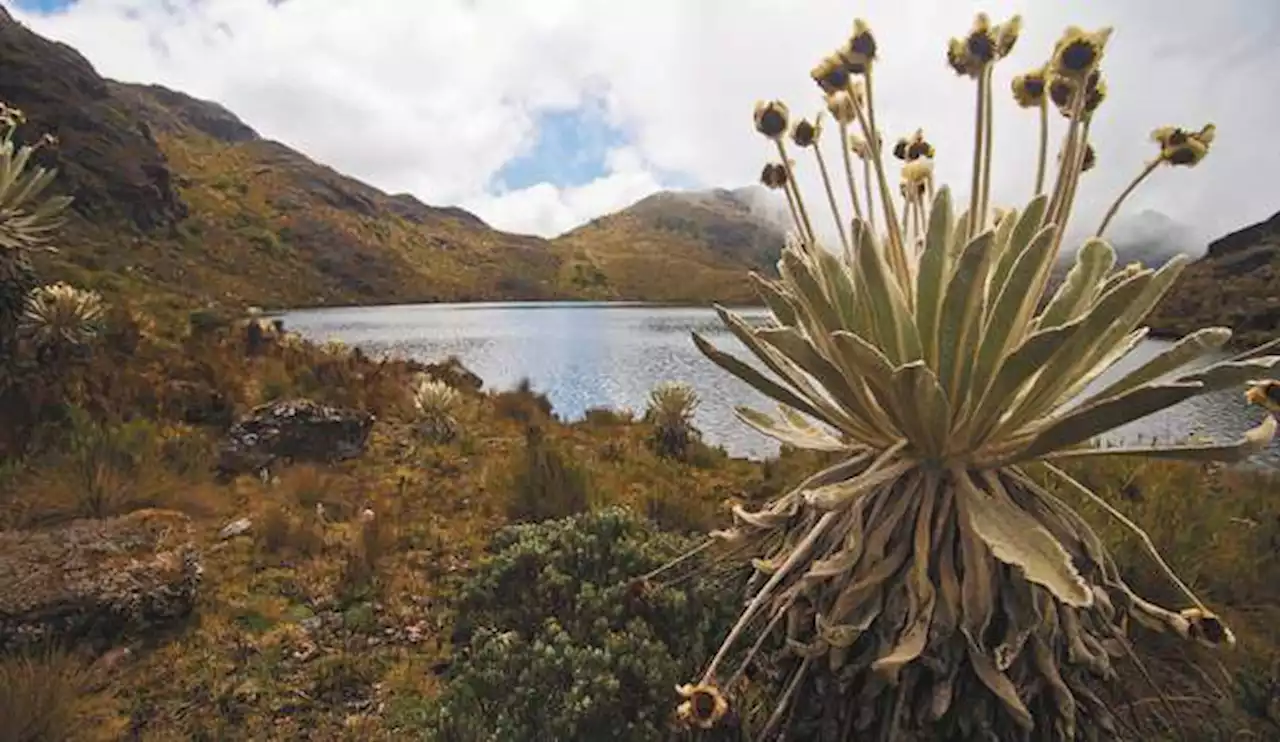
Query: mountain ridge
[{"x": 178, "y": 198}]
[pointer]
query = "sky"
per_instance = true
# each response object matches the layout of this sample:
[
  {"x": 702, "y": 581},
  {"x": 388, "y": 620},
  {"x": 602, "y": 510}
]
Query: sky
[{"x": 539, "y": 116}]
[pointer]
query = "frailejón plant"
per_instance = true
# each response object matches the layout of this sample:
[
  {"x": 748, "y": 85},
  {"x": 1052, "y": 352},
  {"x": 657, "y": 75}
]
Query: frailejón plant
[
  {"x": 670, "y": 411},
  {"x": 926, "y": 585},
  {"x": 437, "y": 406}
]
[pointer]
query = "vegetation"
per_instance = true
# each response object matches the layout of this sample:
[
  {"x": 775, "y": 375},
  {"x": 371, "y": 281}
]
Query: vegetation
[
  {"x": 395, "y": 596},
  {"x": 927, "y": 585},
  {"x": 670, "y": 411}
]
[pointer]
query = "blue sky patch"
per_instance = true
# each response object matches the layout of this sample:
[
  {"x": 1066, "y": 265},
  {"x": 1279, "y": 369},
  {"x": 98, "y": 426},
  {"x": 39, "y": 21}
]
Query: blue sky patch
[
  {"x": 569, "y": 149},
  {"x": 43, "y": 6}
]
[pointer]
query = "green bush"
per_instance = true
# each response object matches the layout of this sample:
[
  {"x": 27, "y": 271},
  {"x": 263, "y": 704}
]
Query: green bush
[{"x": 558, "y": 640}]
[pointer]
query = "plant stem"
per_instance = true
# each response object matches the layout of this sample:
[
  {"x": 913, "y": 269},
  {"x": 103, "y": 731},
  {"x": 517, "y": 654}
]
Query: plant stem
[
  {"x": 798, "y": 554},
  {"x": 1067, "y": 159},
  {"x": 831, "y": 195},
  {"x": 975, "y": 185},
  {"x": 871, "y": 204},
  {"x": 791, "y": 179},
  {"x": 848, "y": 169},
  {"x": 987, "y": 128},
  {"x": 791, "y": 204},
  {"x": 897, "y": 256},
  {"x": 1115, "y": 207},
  {"x": 1082, "y": 148},
  {"x": 1044, "y": 144}
]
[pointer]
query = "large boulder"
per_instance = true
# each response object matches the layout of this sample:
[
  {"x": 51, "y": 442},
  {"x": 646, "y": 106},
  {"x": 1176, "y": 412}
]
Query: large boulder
[
  {"x": 293, "y": 430},
  {"x": 96, "y": 580}
]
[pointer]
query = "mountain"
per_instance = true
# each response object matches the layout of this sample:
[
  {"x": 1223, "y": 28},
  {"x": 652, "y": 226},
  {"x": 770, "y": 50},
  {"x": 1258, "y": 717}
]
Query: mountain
[
  {"x": 177, "y": 196},
  {"x": 678, "y": 246},
  {"x": 1235, "y": 284}
]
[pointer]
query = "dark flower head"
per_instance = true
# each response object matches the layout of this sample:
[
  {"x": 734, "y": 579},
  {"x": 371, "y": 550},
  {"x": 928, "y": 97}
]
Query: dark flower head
[
  {"x": 772, "y": 118},
  {"x": 1181, "y": 147},
  {"x": 1078, "y": 52},
  {"x": 1029, "y": 89},
  {"x": 860, "y": 51},
  {"x": 981, "y": 41},
  {"x": 774, "y": 176},
  {"x": 806, "y": 133},
  {"x": 831, "y": 74},
  {"x": 704, "y": 705},
  {"x": 1095, "y": 91},
  {"x": 1061, "y": 92}
]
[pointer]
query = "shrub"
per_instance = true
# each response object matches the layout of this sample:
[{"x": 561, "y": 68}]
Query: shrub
[
  {"x": 558, "y": 641},
  {"x": 522, "y": 404},
  {"x": 546, "y": 483},
  {"x": 111, "y": 467}
]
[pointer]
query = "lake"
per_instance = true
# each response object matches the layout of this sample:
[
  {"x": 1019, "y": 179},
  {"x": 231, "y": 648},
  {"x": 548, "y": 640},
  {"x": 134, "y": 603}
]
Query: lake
[{"x": 584, "y": 355}]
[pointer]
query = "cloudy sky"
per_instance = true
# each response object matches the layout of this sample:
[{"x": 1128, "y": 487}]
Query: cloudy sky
[{"x": 539, "y": 115}]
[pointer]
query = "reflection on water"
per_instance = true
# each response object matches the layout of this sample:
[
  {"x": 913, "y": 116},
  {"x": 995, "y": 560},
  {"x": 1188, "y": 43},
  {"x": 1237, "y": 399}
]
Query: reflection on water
[{"x": 586, "y": 355}]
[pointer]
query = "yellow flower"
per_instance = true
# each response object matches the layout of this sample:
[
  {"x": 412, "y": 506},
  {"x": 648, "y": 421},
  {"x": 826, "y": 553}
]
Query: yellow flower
[
  {"x": 961, "y": 60},
  {"x": 772, "y": 118},
  {"x": 1078, "y": 52},
  {"x": 1029, "y": 88},
  {"x": 1181, "y": 147},
  {"x": 981, "y": 41},
  {"x": 1007, "y": 36},
  {"x": 704, "y": 705},
  {"x": 831, "y": 74},
  {"x": 860, "y": 51},
  {"x": 774, "y": 176},
  {"x": 909, "y": 149},
  {"x": 805, "y": 134}
]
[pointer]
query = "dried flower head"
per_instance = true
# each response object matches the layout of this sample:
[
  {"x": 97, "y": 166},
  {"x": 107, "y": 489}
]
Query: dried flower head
[
  {"x": 61, "y": 315},
  {"x": 841, "y": 106},
  {"x": 831, "y": 74},
  {"x": 1181, "y": 147},
  {"x": 913, "y": 147},
  {"x": 1078, "y": 52},
  {"x": 806, "y": 133},
  {"x": 1029, "y": 88},
  {"x": 860, "y": 51},
  {"x": 1090, "y": 158},
  {"x": 774, "y": 176},
  {"x": 917, "y": 174},
  {"x": 859, "y": 146},
  {"x": 1061, "y": 91},
  {"x": 1095, "y": 91},
  {"x": 772, "y": 118},
  {"x": 704, "y": 705},
  {"x": 1265, "y": 393}
]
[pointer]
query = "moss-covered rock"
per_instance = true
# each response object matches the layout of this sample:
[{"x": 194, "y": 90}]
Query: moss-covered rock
[{"x": 96, "y": 580}]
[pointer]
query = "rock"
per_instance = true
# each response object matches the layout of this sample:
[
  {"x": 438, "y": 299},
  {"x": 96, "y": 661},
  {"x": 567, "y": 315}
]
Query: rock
[
  {"x": 237, "y": 527},
  {"x": 96, "y": 580},
  {"x": 293, "y": 430}
]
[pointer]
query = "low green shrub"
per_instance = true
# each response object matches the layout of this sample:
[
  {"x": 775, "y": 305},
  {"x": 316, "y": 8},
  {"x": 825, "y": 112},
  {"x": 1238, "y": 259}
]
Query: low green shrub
[{"x": 558, "y": 640}]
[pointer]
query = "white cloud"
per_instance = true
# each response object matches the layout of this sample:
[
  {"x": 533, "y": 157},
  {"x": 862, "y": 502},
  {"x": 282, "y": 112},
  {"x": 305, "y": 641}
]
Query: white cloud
[{"x": 434, "y": 97}]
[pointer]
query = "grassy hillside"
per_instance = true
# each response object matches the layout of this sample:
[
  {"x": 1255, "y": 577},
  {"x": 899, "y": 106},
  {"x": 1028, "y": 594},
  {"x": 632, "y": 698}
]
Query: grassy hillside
[
  {"x": 179, "y": 201},
  {"x": 680, "y": 247}
]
